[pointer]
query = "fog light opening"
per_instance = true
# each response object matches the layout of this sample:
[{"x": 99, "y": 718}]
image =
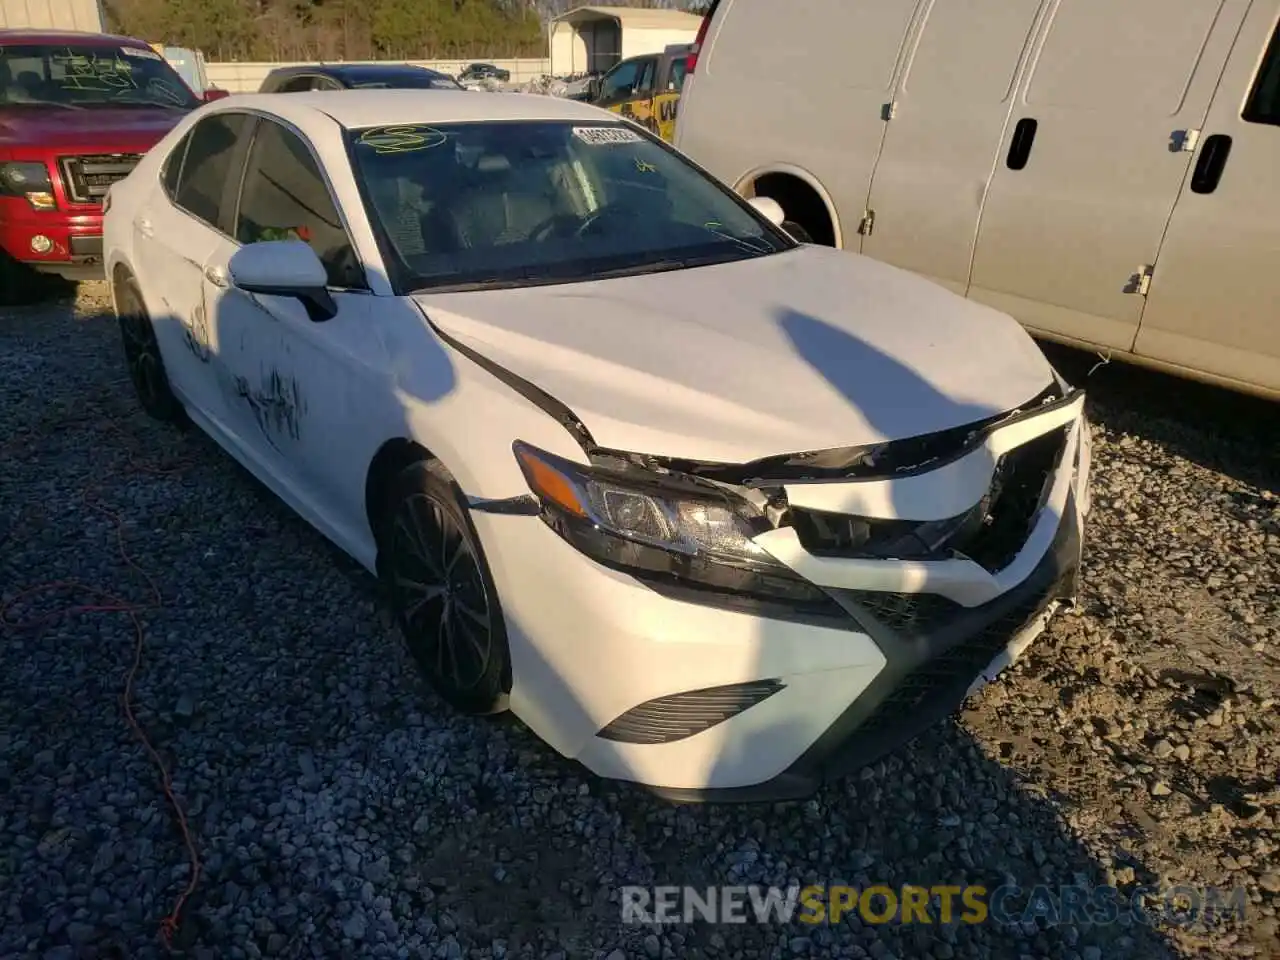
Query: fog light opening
[{"x": 41, "y": 244}]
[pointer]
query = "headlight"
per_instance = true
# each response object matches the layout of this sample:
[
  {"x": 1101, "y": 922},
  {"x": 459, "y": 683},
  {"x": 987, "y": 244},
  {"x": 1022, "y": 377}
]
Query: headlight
[
  {"x": 27, "y": 180},
  {"x": 660, "y": 526}
]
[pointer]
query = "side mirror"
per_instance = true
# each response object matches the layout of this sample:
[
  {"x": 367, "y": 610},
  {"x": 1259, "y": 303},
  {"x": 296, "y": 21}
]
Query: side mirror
[
  {"x": 770, "y": 209},
  {"x": 214, "y": 93},
  {"x": 284, "y": 268}
]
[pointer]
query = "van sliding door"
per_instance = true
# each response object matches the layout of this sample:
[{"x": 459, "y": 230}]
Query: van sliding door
[
  {"x": 1093, "y": 159},
  {"x": 1214, "y": 304},
  {"x": 950, "y": 111}
]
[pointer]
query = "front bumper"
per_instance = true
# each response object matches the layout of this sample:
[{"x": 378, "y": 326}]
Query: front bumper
[
  {"x": 76, "y": 239},
  {"x": 724, "y": 702},
  {"x": 927, "y": 676}
]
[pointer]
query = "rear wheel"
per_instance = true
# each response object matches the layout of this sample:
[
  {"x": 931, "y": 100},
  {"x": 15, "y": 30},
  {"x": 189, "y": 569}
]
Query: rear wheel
[
  {"x": 441, "y": 591},
  {"x": 142, "y": 357}
]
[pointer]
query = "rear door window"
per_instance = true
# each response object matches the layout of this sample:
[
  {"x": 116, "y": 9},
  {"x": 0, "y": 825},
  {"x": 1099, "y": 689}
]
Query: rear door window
[{"x": 207, "y": 167}]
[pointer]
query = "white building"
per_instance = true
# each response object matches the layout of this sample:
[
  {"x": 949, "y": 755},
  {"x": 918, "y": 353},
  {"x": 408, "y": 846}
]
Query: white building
[{"x": 592, "y": 39}]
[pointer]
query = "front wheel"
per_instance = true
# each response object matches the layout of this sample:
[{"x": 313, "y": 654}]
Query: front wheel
[{"x": 441, "y": 590}]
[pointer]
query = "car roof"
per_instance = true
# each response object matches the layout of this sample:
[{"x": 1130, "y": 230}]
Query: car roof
[
  {"x": 356, "y": 71},
  {"x": 377, "y": 108},
  {"x": 29, "y": 35}
]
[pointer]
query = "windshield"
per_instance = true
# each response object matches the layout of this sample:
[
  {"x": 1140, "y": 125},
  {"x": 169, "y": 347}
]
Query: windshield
[
  {"x": 81, "y": 77},
  {"x": 514, "y": 203}
]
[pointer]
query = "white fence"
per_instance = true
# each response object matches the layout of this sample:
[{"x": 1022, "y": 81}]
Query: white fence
[{"x": 247, "y": 77}]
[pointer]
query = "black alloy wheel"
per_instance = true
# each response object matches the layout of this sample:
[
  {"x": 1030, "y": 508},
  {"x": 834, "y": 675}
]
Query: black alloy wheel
[{"x": 442, "y": 592}]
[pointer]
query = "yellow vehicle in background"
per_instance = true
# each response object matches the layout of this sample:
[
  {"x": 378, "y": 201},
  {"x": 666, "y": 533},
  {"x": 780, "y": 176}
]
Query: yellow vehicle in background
[{"x": 646, "y": 89}]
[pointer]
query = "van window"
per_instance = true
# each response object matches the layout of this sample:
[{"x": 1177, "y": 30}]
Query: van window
[
  {"x": 950, "y": 62},
  {"x": 850, "y": 44},
  {"x": 1264, "y": 102},
  {"x": 1100, "y": 55}
]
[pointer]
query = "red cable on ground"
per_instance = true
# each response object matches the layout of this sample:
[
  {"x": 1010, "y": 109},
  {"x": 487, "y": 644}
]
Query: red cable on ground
[{"x": 110, "y": 603}]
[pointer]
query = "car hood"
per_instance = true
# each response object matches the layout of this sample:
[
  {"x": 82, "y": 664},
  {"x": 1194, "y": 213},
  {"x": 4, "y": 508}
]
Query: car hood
[
  {"x": 805, "y": 350},
  {"x": 91, "y": 129}
]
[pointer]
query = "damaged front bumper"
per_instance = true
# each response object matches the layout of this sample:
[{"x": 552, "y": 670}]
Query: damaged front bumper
[
  {"x": 934, "y": 652},
  {"x": 704, "y": 694}
]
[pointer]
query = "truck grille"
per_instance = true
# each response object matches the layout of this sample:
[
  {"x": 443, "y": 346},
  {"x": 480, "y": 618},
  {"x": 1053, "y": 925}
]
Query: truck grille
[{"x": 86, "y": 178}]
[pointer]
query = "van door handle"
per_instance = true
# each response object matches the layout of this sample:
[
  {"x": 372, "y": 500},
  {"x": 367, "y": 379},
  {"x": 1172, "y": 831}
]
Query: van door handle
[
  {"x": 216, "y": 274},
  {"x": 1024, "y": 135},
  {"x": 145, "y": 228},
  {"x": 1213, "y": 158}
]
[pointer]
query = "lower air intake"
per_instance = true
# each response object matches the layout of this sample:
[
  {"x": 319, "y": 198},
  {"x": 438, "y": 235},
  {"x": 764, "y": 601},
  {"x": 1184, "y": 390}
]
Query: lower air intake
[{"x": 682, "y": 715}]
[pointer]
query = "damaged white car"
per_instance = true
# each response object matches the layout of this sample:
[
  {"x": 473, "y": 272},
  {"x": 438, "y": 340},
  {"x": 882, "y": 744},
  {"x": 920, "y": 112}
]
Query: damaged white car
[{"x": 708, "y": 509}]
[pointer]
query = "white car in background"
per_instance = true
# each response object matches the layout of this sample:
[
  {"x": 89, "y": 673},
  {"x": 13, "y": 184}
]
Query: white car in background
[{"x": 708, "y": 509}]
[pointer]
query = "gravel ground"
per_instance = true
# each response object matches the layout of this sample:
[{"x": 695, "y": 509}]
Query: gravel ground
[{"x": 339, "y": 809}]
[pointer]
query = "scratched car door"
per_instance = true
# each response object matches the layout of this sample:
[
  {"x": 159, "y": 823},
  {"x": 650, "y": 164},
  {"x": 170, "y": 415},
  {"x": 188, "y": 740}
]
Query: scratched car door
[{"x": 289, "y": 380}]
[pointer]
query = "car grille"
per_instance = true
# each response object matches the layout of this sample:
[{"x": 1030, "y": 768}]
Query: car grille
[
  {"x": 87, "y": 178},
  {"x": 1023, "y": 479},
  {"x": 991, "y": 534},
  {"x": 943, "y": 679}
]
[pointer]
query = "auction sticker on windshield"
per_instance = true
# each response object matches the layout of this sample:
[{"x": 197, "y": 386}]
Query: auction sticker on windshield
[
  {"x": 401, "y": 139},
  {"x": 604, "y": 136},
  {"x": 141, "y": 54}
]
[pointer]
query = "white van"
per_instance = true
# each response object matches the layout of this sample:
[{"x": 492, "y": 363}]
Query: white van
[{"x": 1106, "y": 171}]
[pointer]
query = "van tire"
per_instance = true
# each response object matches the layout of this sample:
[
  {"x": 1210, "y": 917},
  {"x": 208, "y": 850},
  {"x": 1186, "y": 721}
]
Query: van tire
[{"x": 801, "y": 204}]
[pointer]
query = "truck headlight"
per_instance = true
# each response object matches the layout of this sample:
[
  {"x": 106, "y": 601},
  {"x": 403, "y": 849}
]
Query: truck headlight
[
  {"x": 28, "y": 180},
  {"x": 658, "y": 526}
]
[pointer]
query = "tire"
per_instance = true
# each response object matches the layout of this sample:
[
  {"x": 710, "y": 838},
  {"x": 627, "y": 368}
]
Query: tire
[
  {"x": 434, "y": 571},
  {"x": 19, "y": 284},
  {"x": 142, "y": 357}
]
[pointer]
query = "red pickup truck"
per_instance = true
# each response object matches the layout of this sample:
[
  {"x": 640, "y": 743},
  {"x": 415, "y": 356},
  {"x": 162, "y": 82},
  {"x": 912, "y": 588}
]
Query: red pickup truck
[{"x": 77, "y": 111}]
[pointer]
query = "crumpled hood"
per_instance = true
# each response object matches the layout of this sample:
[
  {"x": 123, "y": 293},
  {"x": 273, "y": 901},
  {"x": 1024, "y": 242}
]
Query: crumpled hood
[
  {"x": 805, "y": 350},
  {"x": 89, "y": 130}
]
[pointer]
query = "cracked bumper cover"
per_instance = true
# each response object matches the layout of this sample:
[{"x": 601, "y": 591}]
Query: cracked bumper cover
[{"x": 892, "y": 710}]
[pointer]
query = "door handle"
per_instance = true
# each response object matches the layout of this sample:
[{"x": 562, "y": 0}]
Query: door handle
[
  {"x": 1024, "y": 135},
  {"x": 1213, "y": 158},
  {"x": 145, "y": 228},
  {"x": 216, "y": 274}
]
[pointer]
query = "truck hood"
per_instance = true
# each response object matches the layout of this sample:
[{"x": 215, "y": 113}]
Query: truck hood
[
  {"x": 805, "y": 350},
  {"x": 93, "y": 129}
]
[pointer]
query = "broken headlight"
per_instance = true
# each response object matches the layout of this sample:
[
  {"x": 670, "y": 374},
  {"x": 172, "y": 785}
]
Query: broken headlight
[{"x": 659, "y": 526}]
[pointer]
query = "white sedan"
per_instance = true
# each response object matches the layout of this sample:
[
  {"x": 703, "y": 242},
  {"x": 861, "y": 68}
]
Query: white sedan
[{"x": 708, "y": 509}]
